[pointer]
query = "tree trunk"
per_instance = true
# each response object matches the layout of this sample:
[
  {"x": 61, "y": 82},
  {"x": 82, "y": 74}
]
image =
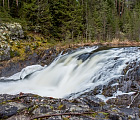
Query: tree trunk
[
  {"x": 72, "y": 36},
  {"x": 86, "y": 23},
  {"x": 8, "y": 4},
  {"x": 3, "y": 3},
  {"x": 17, "y": 2},
  {"x": 119, "y": 7},
  {"x": 104, "y": 31},
  {"x": 82, "y": 2},
  {"x": 116, "y": 3},
  {"x": 122, "y": 8}
]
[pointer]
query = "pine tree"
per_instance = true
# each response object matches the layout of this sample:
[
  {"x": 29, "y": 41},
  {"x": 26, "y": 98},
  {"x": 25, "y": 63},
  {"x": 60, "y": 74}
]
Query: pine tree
[
  {"x": 45, "y": 18},
  {"x": 14, "y": 9}
]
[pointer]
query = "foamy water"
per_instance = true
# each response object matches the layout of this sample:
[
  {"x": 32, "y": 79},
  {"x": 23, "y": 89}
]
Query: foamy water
[{"x": 70, "y": 74}]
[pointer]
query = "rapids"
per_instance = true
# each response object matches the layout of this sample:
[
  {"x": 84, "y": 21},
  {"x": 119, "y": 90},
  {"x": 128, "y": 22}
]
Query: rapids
[{"x": 74, "y": 73}]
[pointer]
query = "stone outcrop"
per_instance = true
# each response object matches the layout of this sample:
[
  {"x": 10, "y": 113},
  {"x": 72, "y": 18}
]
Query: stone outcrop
[
  {"x": 29, "y": 106},
  {"x": 9, "y": 32}
]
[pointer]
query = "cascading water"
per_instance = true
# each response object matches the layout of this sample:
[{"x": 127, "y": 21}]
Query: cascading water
[{"x": 76, "y": 73}]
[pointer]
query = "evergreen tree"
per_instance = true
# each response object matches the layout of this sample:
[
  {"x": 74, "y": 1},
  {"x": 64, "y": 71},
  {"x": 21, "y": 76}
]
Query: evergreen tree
[
  {"x": 14, "y": 9},
  {"x": 70, "y": 20},
  {"x": 45, "y": 18}
]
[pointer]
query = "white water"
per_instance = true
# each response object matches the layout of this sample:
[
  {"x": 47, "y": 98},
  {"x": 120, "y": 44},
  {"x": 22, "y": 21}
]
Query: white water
[
  {"x": 68, "y": 75},
  {"x": 114, "y": 95}
]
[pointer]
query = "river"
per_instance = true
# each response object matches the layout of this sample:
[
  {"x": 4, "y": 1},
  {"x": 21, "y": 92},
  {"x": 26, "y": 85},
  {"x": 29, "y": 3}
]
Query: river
[{"x": 75, "y": 73}]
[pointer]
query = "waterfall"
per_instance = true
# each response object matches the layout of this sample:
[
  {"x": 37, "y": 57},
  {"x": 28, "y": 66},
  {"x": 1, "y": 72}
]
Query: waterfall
[{"x": 73, "y": 73}]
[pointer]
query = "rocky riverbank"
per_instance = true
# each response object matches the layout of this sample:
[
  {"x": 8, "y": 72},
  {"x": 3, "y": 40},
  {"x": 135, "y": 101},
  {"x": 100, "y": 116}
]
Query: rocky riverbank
[
  {"x": 119, "y": 99},
  {"x": 29, "y": 106}
]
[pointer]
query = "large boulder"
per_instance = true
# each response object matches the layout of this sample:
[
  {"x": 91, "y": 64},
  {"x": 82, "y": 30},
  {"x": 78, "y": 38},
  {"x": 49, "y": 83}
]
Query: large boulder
[
  {"x": 12, "y": 31},
  {"x": 4, "y": 51},
  {"x": 9, "y": 32}
]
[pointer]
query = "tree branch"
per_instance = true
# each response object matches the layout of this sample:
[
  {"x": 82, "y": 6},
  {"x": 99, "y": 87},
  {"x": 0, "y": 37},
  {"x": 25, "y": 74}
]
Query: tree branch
[{"x": 46, "y": 116}]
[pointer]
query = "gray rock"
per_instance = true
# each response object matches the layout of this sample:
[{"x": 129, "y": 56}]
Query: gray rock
[
  {"x": 7, "y": 111},
  {"x": 19, "y": 106},
  {"x": 9, "y": 31},
  {"x": 19, "y": 117}
]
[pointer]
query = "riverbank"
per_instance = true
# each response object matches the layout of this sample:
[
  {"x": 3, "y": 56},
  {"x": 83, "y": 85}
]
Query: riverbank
[
  {"x": 119, "y": 99},
  {"x": 113, "y": 43}
]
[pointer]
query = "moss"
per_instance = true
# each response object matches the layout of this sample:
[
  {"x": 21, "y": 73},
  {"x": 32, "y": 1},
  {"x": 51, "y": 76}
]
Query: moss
[
  {"x": 74, "y": 101},
  {"x": 52, "y": 107},
  {"x": 102, "y": 103},
  {"x": 129, "y": 118},
  {"x": 65, "y": 118},
  {"x": 115, "y": 111},
  {"x": 9, "y": 100},
  {"x": 4, "y": 102},
  {"x": 36, "y": 106},
  {"x": 18, "y": 48},
  {"x": 29, "y": 109},
  {"x": 37, "y": 96},
  {"x": 60, "y": 106},
  {"x": 112, "y": 106},
  {"x": 105, "y": 114},
  {"x": 94, "y": 114}
]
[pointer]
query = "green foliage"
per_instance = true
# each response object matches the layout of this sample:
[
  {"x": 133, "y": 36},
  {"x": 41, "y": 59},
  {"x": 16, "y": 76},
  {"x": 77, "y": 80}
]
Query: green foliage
[
  {"x": 60, "y": 106},
  {"x": 4, "y": 16},
  {"x": 74, "y": 20}
]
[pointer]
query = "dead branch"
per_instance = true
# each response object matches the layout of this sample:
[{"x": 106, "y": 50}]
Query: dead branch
[{"x": 76, "y": 114}]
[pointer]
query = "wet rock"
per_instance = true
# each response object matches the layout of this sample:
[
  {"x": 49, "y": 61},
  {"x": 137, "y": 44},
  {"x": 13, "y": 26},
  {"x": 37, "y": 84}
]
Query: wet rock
[
  {"x": 135, "y": 101},
  {"x": 97, "y": 89},
  {"x": 48, "y": 56},
  {"x": 4, "y": 51},
  {"x": 113, "y": 116},
  {"x": 93, "y": 102},
  {"x": 30, "y": 106},
  {"x": 108, "y": 91},
  {"x": 41, "y": 106},
  {"x": 43, "y": 58},
  {"x": 43, "y": 109},
  {"x": 101, "y": 115},
  {"x": 19, "y": 117},
  {"x": 10, "y": 68},
  {"x": 55, "y": 118},
  {"x": 122, "y": 100},
  {"x": 7, "y": 111},
  {"x": 84, "y": 57},
  {"x": 80, "y": 108},
  {"x": 19, "y": 106}
]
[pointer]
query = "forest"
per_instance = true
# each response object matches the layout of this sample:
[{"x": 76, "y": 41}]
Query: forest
[{"x": 76, "y": 20}]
